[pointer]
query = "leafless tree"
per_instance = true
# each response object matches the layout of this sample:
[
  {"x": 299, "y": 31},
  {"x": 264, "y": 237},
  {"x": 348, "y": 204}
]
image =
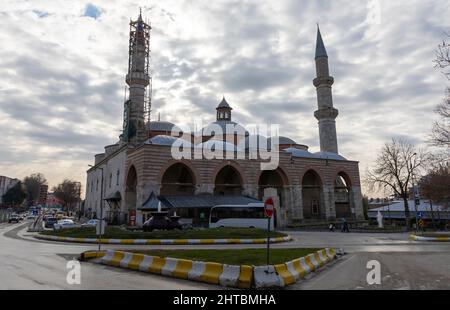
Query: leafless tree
[
  {"x": 442, "y": 60},
  {"x": 398, "y": 163},
  {"x": 68, "y": 192},
  {"x": 33, "y": 184},
  {"x": 435, "y": 185},
  {"x": 441, "y": 129}
]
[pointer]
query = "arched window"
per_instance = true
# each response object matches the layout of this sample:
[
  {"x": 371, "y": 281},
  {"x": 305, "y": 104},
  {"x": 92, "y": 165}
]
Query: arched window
[
  {"x": 342, "y": 201},
  {"x": 228, "y": 182},
  {"x": 312, "y": 195},
  {"x": 178, "y": 180}
]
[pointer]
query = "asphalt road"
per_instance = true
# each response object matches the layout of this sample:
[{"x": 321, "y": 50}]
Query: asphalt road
[{"x": 27, "y": 263}]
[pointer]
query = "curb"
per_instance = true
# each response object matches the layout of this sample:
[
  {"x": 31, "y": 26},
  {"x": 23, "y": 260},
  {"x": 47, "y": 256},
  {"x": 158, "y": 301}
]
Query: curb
[
  {"x": 291, "y": 272},
  {"x": 211, "y": 273},
  {"x": 165, "y": 241},
  {"x": 244, "y": 277},
  {"x": 430, "y": 239}
]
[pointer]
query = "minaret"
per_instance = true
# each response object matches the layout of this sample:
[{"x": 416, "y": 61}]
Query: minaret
[
  {"x": 224, "y": 111},
  {"x": 138, "y": 79},
  {"x": 326, "y": 114}
]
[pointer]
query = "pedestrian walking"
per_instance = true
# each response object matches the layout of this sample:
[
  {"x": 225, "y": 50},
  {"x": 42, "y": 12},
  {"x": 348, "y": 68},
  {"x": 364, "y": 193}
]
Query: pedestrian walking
[{"x": 344, "y": 227}]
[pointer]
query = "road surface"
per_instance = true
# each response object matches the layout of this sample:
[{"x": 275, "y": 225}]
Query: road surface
[{"x": 27, "y": 263}]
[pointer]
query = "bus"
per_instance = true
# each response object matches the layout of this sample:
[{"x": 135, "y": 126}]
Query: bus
[{"x": 239, "y": 216}]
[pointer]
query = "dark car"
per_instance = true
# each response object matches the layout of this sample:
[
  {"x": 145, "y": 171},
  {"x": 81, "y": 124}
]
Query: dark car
[
  {"x": 50, "y": 222},
  {"x": 162, "y": 223},
  {"x": 14, "y": 219}
]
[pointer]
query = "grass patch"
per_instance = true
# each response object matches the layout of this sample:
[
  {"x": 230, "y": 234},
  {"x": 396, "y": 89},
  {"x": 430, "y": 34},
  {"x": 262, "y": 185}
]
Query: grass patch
[
  {"x": 251, "y": 257},
  {"x": 118, "y": 233}
]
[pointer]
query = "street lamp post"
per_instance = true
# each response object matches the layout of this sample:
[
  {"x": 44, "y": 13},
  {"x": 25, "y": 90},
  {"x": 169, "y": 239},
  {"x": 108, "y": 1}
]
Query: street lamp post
[
  {"x": 414, "y": 193},
  {"x": 101, "y": 210}
]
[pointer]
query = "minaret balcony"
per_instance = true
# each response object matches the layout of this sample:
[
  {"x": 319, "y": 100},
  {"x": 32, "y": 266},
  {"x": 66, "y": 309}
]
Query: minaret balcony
[
  {"x": 329, "y": 80},
  {"x": 326, "y": 113},
  {"x": 138, "y": 78}
]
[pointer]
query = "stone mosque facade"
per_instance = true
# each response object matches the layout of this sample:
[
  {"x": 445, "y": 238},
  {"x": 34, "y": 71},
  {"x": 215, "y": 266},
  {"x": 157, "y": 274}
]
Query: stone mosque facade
[{"x": 131, "y": 177}]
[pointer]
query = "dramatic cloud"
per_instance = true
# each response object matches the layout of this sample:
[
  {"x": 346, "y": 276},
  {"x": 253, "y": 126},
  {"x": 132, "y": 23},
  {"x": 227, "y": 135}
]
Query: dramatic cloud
[{"x": 63, "y": 66}]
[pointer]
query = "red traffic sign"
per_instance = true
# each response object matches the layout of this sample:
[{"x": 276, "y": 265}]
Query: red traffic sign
[{"x": 269, "y": 207}]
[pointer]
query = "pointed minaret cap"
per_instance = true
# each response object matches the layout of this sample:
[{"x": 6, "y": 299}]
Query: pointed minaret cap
[
  {"x": 224, "y": 104},
  {"x": 320, "y": 47}
]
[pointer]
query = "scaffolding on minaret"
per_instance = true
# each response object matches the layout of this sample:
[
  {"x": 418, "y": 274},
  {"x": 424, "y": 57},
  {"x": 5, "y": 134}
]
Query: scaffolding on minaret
[{"x": 139, "y": 80}]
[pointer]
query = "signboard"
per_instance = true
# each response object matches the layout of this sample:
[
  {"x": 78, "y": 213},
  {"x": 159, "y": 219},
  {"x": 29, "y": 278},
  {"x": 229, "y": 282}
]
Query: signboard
[
  {"x": 132, "y": 218},
  {"x": 269, "y": 208}
]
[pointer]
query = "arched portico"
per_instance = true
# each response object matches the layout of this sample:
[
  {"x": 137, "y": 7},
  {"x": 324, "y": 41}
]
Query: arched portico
[
  {"x": 342, "y": 195},
  {"x": 228, "y": 182},
  {"x": 178, "y": 180},
  {"x": 312, "y": 187}
]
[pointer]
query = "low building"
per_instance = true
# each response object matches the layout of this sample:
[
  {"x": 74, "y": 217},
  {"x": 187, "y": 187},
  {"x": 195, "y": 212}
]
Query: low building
[
  {"x": 43, "y": 193},
  {"x": 396, "y": 211},
  {"x": 53, "y": 202},
  {"x": 5, "y": 184}
]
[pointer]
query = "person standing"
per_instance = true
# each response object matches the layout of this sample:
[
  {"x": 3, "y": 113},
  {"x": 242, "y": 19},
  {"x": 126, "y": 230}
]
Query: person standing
[{"x": 344, "y": 228}]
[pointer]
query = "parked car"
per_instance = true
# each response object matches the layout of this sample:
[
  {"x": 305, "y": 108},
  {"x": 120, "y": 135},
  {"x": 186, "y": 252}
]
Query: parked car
[
  {"x": 50, "y": 221},
  {"x": 90, "y": 223},
  {"x": 64, "y": 224},
  {"x": 162, "y": 223},
  {"x": 14, "y": 218}
]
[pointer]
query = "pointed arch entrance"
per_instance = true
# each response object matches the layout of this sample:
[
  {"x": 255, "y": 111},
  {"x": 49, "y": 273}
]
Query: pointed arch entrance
[
  {"x": 312, "y": 196},
  {"x": 342, "y": 196},
  {"x": 228, "y": 182},
  {"x": 178, "y": 180},
  {"x": 130, "y": 197},
  {"x": 275, "y": 181}
]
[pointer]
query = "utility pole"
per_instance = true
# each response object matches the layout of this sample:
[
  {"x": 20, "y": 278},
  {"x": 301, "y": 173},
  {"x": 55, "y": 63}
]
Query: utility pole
[{"x": 99, "y": 239}]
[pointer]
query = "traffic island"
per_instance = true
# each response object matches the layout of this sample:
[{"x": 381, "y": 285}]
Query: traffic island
[
  {"x": 431, "y": 237},
  {"x": 244, "y": 275},
  {"x": 115, "y": 235}
]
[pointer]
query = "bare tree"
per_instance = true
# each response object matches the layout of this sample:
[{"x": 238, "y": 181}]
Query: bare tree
[
  {"x": 68, "y": 192},
  {"x": 33, "y": 184},
  {"x": 442, "y": 60},
  {"x": 435, "y": 185},
  {"x": 396, "y": 166},
  {"x": 440, "y": 135},
  {"x": 441, "y": 129}
]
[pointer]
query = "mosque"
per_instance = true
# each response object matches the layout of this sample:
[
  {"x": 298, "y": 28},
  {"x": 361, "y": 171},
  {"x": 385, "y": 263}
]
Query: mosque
[{"x": 131, "y": 177}]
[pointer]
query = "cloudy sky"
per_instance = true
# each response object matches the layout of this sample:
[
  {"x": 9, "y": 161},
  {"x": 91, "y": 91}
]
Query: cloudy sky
[{"x": 62, "y": 66}]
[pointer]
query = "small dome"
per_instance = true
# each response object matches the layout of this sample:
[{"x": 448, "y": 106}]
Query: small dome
[
  {"x": 163, "y": 126},
  {"x": 283, "y": 141},
  {"x": 300, "y": 153},
  {"x": 167, "y": 141},
  {"x": 255, "y": 142},
  {"x": 216, "y": 145},
  {"x": 223, "y": 125},
  {"x": 328, "y": 155}
]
